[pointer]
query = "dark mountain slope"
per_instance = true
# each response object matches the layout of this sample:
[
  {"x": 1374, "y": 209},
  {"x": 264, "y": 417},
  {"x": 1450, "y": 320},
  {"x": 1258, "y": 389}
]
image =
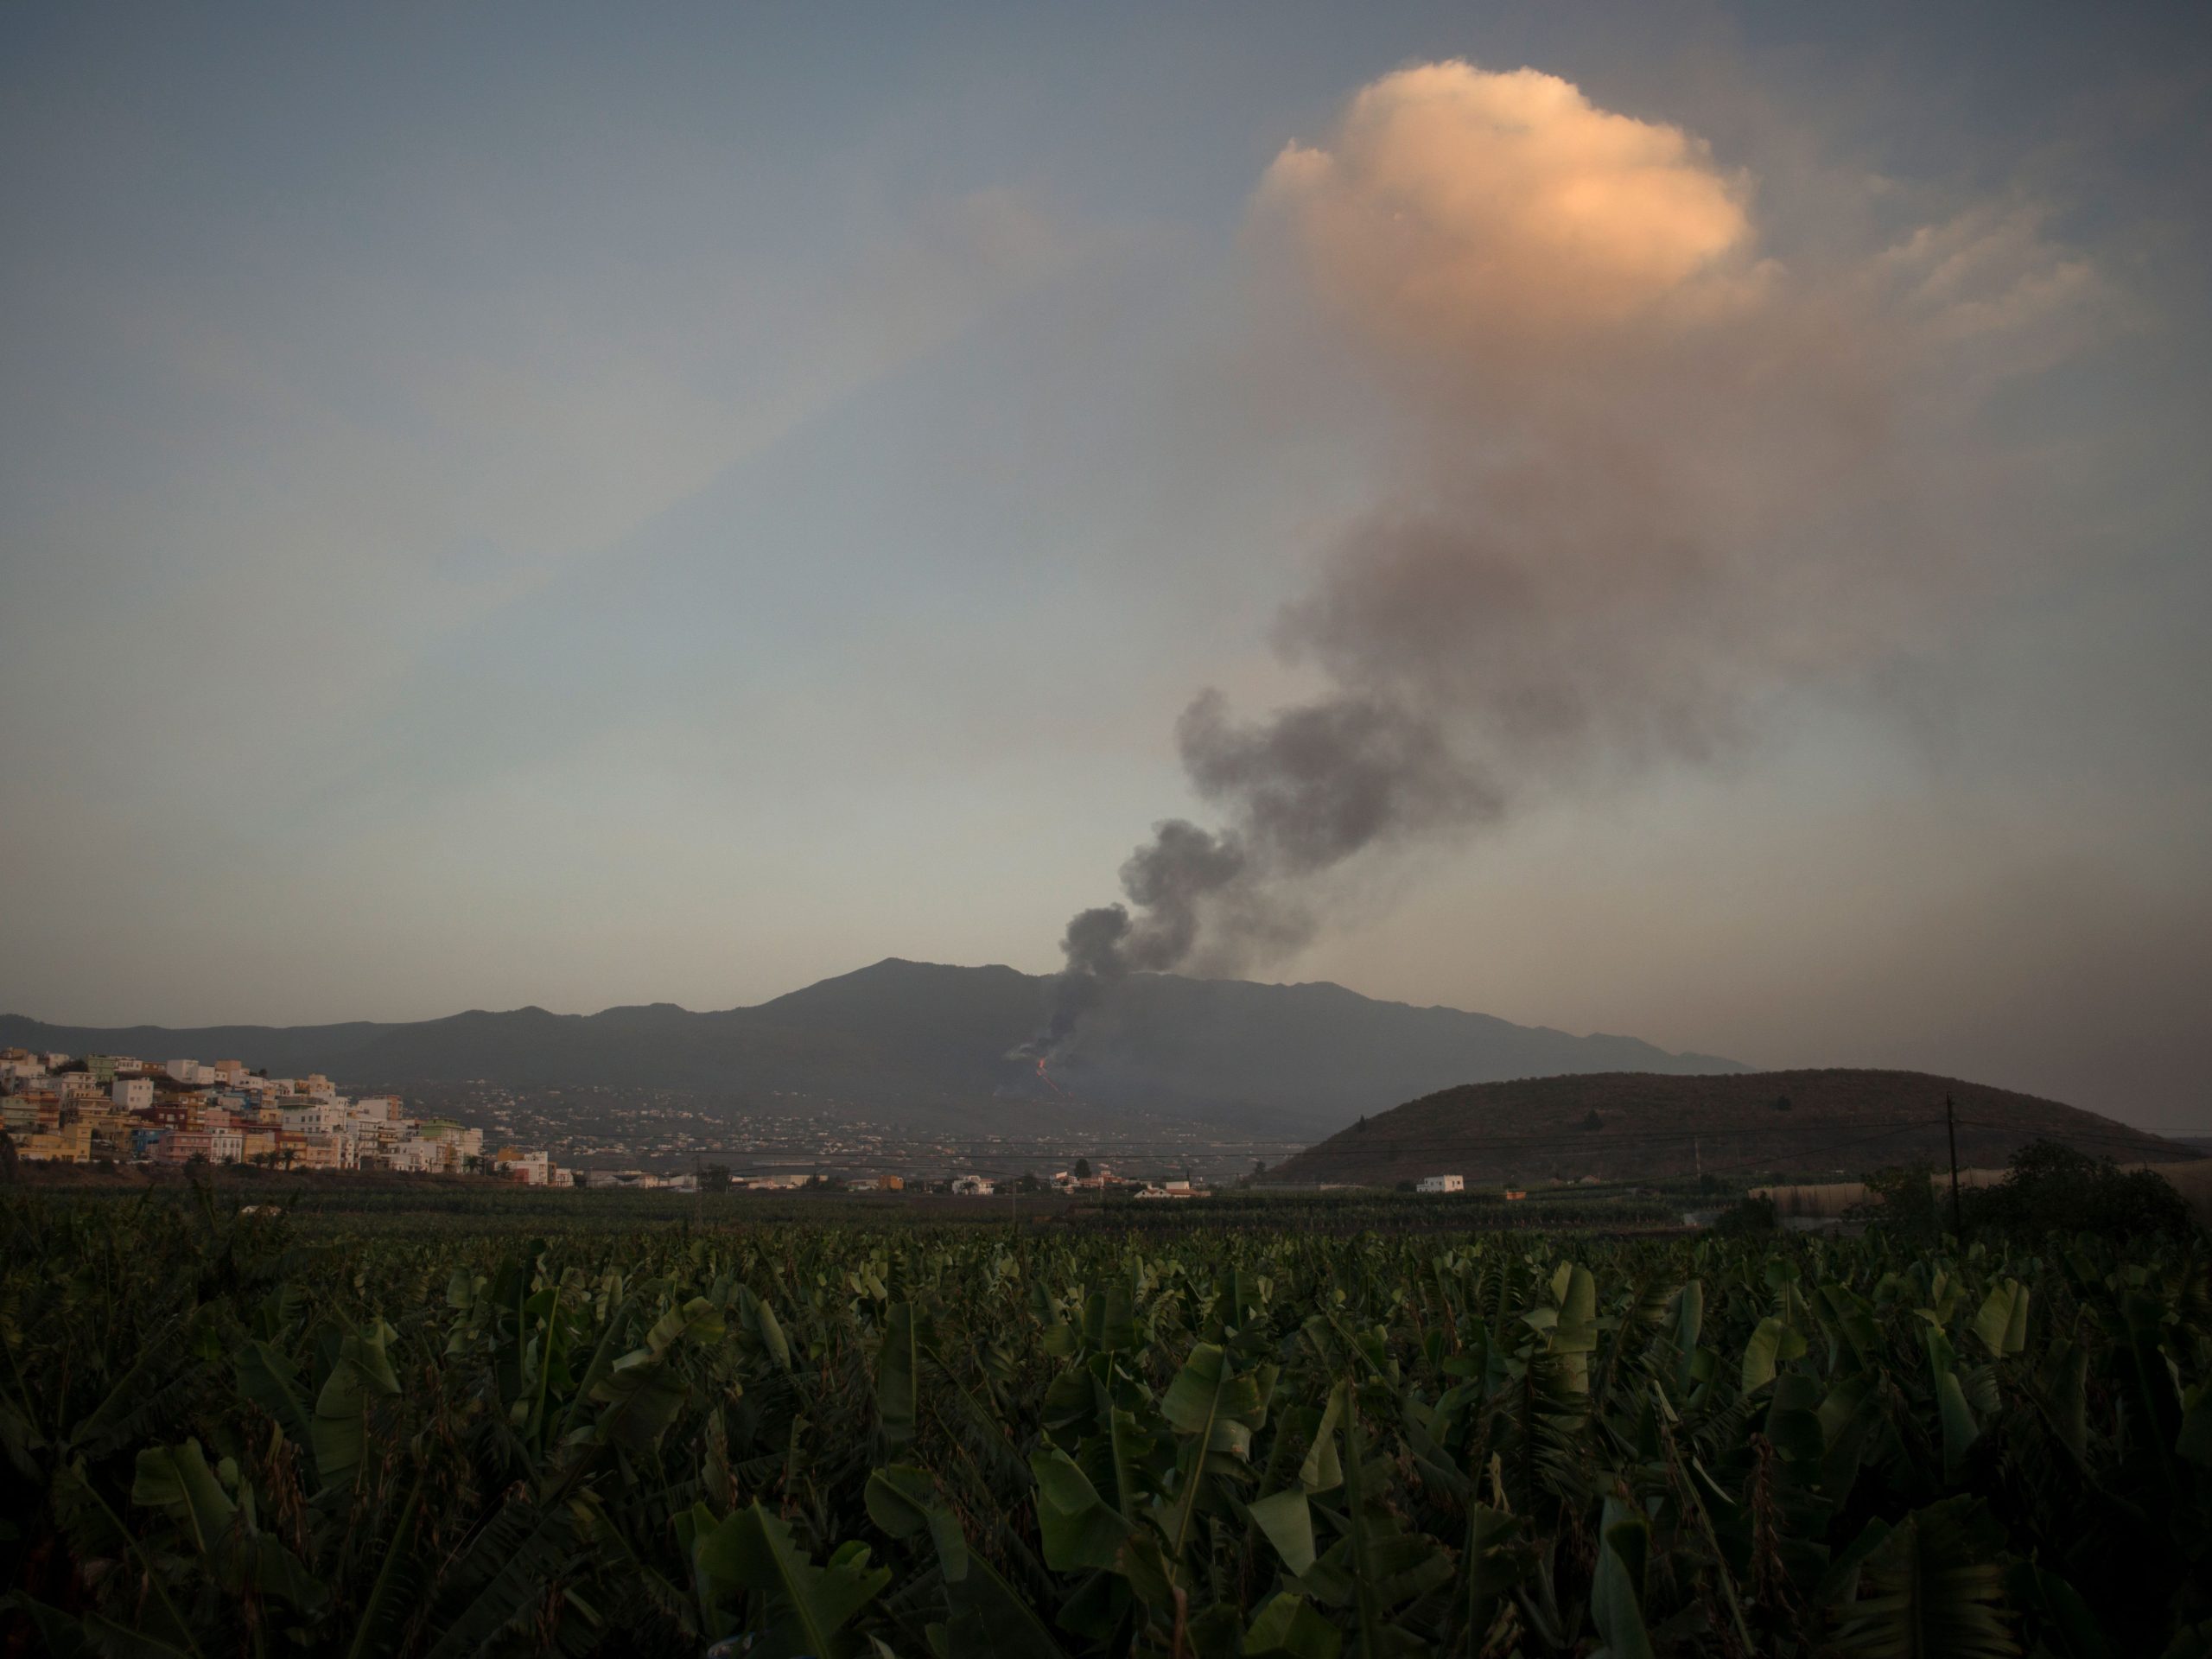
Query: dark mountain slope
[
  {"x": 282, "y": 1050},
  {"x": 958, "y": 1022},
  {"x": 1848, "y": 1122},
  {"x": 908, "y": 1037},
  {"x": 1320, "y": 1051}
]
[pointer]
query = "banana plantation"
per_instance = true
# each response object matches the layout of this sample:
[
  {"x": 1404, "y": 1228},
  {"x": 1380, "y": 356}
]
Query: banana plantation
[{"x": 220, "y": 1434}]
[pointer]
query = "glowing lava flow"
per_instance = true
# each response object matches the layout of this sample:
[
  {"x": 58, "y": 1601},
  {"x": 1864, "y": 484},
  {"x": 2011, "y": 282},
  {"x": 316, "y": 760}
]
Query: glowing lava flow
[{"x": 1047, "y": 1076}]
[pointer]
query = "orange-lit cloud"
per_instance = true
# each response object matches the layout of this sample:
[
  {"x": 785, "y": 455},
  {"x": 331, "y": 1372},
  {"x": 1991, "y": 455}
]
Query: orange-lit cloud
[{"x": 1460, "y": 208}]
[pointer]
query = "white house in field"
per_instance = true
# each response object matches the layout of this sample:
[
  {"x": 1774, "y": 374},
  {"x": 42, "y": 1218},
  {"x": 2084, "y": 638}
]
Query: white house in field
[{"x": 1442, "y": 1184}]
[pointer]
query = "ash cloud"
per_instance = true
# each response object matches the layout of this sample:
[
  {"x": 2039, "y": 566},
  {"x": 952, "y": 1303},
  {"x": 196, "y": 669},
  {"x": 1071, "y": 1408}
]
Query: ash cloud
[{"x": 1654, "y": 479}]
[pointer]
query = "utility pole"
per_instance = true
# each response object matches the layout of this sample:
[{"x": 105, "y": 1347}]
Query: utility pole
[{"x": 1951, "y": 1128}]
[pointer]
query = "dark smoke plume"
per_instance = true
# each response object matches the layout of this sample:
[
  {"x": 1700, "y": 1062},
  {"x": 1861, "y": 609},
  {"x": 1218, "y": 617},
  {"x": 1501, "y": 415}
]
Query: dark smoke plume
[{"x": 1302, "y": 791}]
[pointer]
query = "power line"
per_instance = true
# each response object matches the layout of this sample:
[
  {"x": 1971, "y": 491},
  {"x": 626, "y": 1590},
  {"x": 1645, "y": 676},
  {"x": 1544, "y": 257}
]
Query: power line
[{"x": 2116, "y": 1137}]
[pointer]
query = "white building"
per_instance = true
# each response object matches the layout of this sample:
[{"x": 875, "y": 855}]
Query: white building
[
  {"x": 1170, "y": 1190},
  {"x": 1442, "y": 1184},
  {"x": 132, "y": 1094},
  {"x": 461, "y": 1144},
  {"x": 375, "y": 1139},
  {"x": 314, "y": 1118},
  {"x": 971, "y": 1186}
]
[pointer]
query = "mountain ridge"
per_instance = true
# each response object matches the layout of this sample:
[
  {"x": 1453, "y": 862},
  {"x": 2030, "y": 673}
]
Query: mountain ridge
[{"x": 900, "y": 1035}]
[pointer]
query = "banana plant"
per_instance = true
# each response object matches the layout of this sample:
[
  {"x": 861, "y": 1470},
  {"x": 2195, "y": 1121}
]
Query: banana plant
[{"x": 751, "y": 1576}]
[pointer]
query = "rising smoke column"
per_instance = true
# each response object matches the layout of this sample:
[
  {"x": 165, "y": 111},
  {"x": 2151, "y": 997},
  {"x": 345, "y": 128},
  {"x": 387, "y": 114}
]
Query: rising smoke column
[{"x": 1653, "y": 481}]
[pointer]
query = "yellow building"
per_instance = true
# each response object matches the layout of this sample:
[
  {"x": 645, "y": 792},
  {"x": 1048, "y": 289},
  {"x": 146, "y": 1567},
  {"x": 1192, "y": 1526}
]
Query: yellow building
[{"x": 71, "y": 1144}]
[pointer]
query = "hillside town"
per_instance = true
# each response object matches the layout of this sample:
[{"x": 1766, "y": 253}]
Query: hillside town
[{"x": 113, "y": 1109}]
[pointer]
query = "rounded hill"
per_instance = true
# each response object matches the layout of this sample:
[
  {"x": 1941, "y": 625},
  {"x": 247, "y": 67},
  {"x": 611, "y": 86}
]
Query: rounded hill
[{"x": 1633, "y": 1125}]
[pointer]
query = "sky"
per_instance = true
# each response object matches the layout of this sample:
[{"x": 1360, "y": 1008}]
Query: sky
[{"x": 1693, "y": 518}]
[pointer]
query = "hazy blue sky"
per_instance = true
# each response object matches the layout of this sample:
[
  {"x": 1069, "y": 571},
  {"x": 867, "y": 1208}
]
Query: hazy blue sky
[{"x": 582, "y": 505}]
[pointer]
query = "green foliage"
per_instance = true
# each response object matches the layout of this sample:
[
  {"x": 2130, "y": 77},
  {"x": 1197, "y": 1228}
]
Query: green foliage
[
  {"x": 226, "y": 1434},
  {"x": 1903, "y": 1200},
  {"x": 2048, "y": 1189},
  {"x": 1751, "y": 1218},
  {"x": 1932, "y": 1584},
  {"x": 2052, "y": 1188},
  {"x": 796, "y": 1608}
]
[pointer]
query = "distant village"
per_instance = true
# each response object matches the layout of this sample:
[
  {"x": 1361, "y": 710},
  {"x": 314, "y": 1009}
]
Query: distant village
[
  {"x": 113, "y": 1109},
  {"x": 110, "y": 1109},
  {"x": 1080, "y": 1180}
]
